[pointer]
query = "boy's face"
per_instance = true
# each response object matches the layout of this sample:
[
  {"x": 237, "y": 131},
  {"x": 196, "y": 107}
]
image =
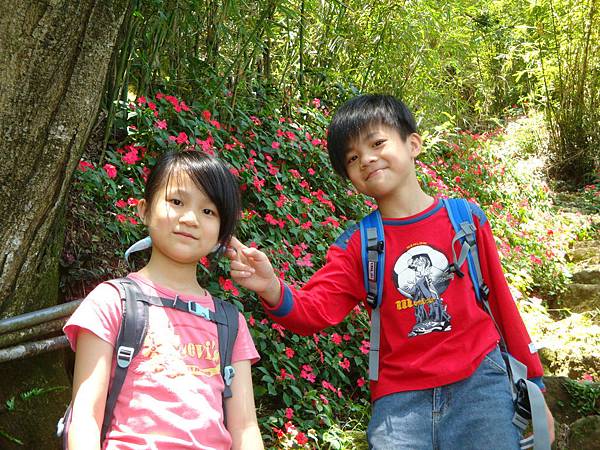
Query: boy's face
[{"x": 380, "y": 163}]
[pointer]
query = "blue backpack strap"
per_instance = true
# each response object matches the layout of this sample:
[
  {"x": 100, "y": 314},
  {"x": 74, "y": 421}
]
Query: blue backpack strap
[
  {"x": 461, "y": 217},
  {"x": 373, "y": 258},
  {"x": 528, "y": 398},
  {"x": 134, "y": 325}
]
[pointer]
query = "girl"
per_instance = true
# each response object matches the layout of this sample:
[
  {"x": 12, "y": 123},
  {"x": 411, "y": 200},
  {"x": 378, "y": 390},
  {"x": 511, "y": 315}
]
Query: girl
[{"x": 172, "y": 394}]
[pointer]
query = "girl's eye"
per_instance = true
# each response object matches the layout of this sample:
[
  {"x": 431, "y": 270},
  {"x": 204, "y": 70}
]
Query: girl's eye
[
  {"x": 176, "y": 201},
  {"x": 208, "y": 212}
]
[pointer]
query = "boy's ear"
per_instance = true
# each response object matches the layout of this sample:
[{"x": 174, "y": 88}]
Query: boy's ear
[
  {"x": 416, "y": 144},
  {"x": 142, "y": 210}
]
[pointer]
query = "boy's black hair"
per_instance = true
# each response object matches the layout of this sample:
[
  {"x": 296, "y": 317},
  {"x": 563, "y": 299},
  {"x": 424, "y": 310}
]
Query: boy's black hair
[
  {"x": 358, "y": 114},
  {"x": 210, "y": 175}
]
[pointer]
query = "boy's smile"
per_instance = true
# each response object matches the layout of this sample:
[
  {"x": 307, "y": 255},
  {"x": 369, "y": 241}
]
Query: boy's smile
[{"x": 380, "y": 163}]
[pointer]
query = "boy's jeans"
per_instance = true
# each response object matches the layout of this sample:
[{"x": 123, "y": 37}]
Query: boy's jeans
[{"x": 475, "y": 413}]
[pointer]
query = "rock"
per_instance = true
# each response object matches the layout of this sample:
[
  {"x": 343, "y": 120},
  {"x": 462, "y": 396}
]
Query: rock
[
  {"x": 581, "y": 297},
  {"x": 589, "y": 274},
  {"x": 588, "y": 251},
  {"x": 585, "y": 434},
  {"x": 559, "y": 401}
]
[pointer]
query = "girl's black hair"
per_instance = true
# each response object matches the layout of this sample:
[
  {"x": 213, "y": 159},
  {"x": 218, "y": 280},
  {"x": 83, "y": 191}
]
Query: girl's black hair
[
  {"x": 357, "y": 115},
  {"x": 210, "y": 175}
]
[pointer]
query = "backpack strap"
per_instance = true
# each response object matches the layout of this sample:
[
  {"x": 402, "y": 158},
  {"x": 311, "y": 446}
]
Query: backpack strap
[
  {"x": 373, "y": 258},
  {"x": 227, "y": 329},
  {"x": 527, "y": 396},
  {"x": 134, "y": 324}
]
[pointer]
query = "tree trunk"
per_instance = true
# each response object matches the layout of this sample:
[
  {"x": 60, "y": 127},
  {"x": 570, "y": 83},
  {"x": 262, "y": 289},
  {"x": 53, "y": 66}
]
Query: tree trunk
[{"x": 54, "y": 58}]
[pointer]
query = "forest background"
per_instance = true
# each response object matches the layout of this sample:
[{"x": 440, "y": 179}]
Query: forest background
[{"x": 506, "y": 94}]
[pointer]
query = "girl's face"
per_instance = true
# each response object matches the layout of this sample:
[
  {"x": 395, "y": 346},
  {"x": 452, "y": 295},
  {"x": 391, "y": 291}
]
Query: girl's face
[{"x": 182, "y": 221}]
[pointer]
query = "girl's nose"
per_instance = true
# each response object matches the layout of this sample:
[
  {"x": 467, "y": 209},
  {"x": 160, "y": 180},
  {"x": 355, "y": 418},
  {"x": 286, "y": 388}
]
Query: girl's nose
[{"x": 189, "y": 217}]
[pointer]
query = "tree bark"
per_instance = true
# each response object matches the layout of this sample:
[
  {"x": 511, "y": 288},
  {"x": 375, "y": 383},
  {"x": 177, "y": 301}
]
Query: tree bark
[{"x": 54, "y": 58}]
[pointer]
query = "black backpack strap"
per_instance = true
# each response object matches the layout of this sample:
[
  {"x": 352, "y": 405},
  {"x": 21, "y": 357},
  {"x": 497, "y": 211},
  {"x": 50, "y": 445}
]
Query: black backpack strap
[
  {"x": 226, "y": 317},
  {"x": 134, "y": 324}
]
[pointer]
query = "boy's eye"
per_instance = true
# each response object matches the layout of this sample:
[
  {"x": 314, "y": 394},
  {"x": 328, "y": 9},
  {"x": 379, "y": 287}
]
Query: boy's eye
[
  {"x": 379, "y": 142},
  {"x": 351, "y": 159}
]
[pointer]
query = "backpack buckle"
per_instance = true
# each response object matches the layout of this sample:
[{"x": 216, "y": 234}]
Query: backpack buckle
[
  {"x": 484, "y": 291},
  {"x": 228, "y": 374},
  {"x": 455, "y": 269},
  {"x": 378, "y": 247},
  {"x": 371, "y": 299},
  {"x": 124, "y": 356},
  {"x": 199, "y": 310}
]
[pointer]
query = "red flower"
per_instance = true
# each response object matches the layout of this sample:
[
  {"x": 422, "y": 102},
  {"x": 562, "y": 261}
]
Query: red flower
[
  {"x": 306, "y": 225},
  {"x": 301, "y": 438},
  {"x": 336, "y": 338},
  {"x": 227, "y": 285},
  {"x": 360, "y": 382},
  {"x": 120, "y": 203},
  {"x": 133, "y": 221},
  {"x": 206, "y": 115},
  {"x": 132, "y": 201},
  {"x": 110, "y": 170},
  {"x": 182, "y": 138},
  {"x": 161, "y": 124},
  {"x": 289, "y": 352},
  {"x": 84, "y": 165},
  {"x": 121, "y": 218}
]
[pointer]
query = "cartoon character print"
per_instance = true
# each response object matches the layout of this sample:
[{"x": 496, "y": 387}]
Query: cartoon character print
[{"x": 422, "y": 274}]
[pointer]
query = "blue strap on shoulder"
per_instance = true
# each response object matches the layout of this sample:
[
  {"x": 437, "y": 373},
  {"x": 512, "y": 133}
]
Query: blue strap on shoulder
[
  {"x": 373, "y": 259},
  {"x": 373, "y": 256},
  {"x": 461, "y": 217}
]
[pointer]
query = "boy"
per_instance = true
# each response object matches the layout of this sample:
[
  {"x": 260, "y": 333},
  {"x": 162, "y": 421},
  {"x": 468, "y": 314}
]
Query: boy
[{"x": 442, "y": 381}]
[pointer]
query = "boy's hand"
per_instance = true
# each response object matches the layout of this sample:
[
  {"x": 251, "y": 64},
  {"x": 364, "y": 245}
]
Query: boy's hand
[{"x": 252, "y": 269}]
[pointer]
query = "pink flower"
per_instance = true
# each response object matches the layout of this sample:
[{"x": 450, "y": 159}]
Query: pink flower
[
  {"x": 364, "y": 348},
  {"x": 289, "y": 413},
  {"x": 306, "y": 225},
  {"x": 120, "y": 203},
  {"x": 316, "y": 102},
  {"x": 279, "y": 187},
  {"x": 336, "y": 338},
  {"x": 275, "y": 145},
  {"x": 84, "y": 165},
  {"x": 289, "y": 352},
  {"x": 182, "y": 138},
  {"x": 345, "y": 364},
  {"x": 110, "y": 170},
  {"x": 360, "y": 382},
  {"x": 131, "y": 157},
  {"x": 161, "y": 124}
]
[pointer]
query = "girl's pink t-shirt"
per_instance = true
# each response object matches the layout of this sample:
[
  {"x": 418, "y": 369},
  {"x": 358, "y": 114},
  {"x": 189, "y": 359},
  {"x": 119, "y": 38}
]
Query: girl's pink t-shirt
[{"x": 172, "y": 395}]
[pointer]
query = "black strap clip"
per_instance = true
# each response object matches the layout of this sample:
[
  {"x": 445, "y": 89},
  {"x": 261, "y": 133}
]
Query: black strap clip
[
  {"x": 455, "y": 269},
  {"x": 378, "y": 247}
]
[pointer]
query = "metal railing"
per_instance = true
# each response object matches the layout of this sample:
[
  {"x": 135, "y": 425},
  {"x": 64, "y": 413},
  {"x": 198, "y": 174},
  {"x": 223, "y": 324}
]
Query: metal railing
[{"x": 19, "y": 334}]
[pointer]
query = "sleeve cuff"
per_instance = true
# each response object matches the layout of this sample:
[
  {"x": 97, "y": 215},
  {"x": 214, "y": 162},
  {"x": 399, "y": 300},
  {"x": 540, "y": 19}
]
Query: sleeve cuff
[
  {"x": 540, "y": 383},
  {"x": 285, "y": 305}
]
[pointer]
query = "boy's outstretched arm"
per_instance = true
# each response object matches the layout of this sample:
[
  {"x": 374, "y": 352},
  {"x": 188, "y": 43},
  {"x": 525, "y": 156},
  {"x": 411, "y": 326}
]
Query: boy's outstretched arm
[{"x": 251, "y": 268}]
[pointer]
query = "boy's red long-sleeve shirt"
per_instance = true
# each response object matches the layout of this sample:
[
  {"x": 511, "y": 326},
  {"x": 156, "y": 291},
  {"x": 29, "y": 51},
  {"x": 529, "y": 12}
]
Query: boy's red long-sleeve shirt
[{"x": 433, "y": 331}]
